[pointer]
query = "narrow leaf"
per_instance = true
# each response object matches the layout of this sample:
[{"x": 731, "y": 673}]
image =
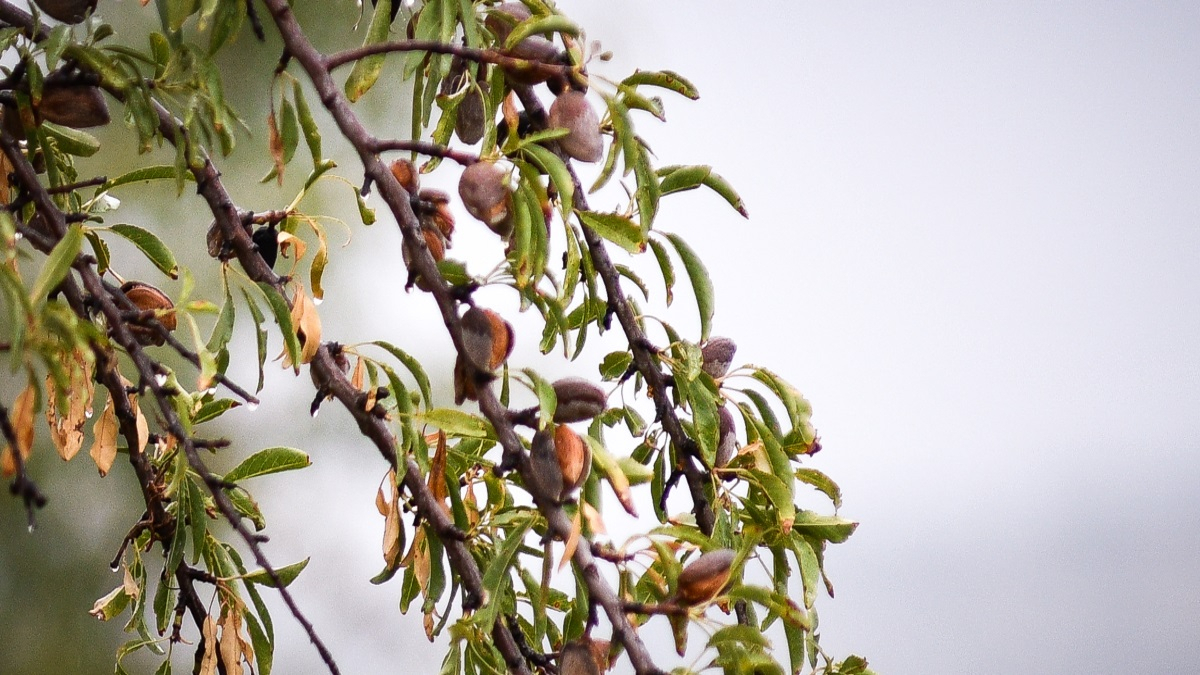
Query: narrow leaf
[
  {"x": 150, "y": 245},
  {"x": 270, "y": 460}
]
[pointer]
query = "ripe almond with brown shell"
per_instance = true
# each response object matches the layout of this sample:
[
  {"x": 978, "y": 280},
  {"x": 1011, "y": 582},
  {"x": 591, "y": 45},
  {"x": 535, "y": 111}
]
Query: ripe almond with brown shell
[
  {"x": 705, "y": 577},
  {"x": 484, "y": 191},
  {"x": 578, "y": 400},
  {"x": 574, "y": 458},
  {"x": 149, "y": 299}
]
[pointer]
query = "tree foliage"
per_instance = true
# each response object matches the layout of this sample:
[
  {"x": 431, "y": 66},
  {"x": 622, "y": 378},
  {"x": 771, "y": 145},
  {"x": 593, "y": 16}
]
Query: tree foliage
[{"x": 484, "y": 500}]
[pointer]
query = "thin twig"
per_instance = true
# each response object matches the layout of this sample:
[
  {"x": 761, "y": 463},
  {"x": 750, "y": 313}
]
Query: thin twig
[
  {"x": 425, "y": 148},
  {"x": 71, "y": 187},
  {"x": 541, "y": 69}
]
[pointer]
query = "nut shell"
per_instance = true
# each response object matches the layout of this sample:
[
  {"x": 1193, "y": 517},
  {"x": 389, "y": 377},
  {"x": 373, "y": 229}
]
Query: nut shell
[
  {"x": 571, "y": 111},
  {"x": 487, "y": 339},
  {"x": 718, "y": 355},
  {"x": 78, "y": 106},
  {"x": 406, "y": 175},
  {"x": 574, "y": 458},
  {"x": 705, "y": 577},
  {"x": 577, "y": 658},
  {"x": 545, "y": 471},
  {"x": 67, "y": 11},
  {"x": 484, "y": 191},
  {"x": 149, "y": 299},
  {"x": 578, "y": 400}
]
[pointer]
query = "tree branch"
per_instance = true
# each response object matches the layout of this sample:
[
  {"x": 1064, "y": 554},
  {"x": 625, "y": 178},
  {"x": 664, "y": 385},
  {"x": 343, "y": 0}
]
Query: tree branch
[
  {"x": 559, "y": 525},
  {"x": 541, "y": 69},
  {"x": 640, "y": 346}
]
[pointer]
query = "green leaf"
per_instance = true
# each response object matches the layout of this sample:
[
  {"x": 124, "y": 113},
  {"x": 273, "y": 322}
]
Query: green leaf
[
  {"x": 58, "y": 264},
  {"x": 226, "y": 23},
  {"x": 214, "y": 409},
  {"x": 554, "y": 23},
  {"x": 72, "y": 141},
  {"x": 497, "y": 569},
  {"x": 615, "y": 364},
  {"x": 559, "y": 174},
  {"x": 150, "y": 245},
  {"x": 198, "y": 516},
  {"x": 312, "y": 134},
  {"x": 701, "y": 282},
  {"x": 55, "y": 45},
  {"x": 664, "y": 264},
  {"x": 457, "y": 423},
  {"x": 547, "y": 399},
  {"x": 283, "y": 317},
  {"x": 664, "y": 79},
  {"x": 414, "y": 367},
  {"x": 683, "y": 178},
  {"x": 366, "y": 70},
  {"x": 778, "y": 603},
  {"x": 616, "y": 228},
  {"x": 271, "y": 460},
  {"x": 821, "y": 482},
  {"x": 289, "y": 130},
  {"x": 366, "y": 213},
  {"x": 100, "y": 250},
  {"x": 287, "y": 574},
  {"x": 780, "y": 494},
  {"x": 832, "y": 529},
  {"x": 146, "y": 173},
  {"x": 264, "y": 651},
  {"x": 260, "y": 335},
  {"x": 245, "y": 505}
]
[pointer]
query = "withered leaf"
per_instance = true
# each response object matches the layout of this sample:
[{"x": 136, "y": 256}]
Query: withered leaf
[
  {"x": 104, "y": 435},
  {"x": 231, "y": 641},
  {"x": 572, "y": 540},
  {"x": 22, "y": 424},
  {"x": 276, "y": 144},
  {"x": 208, "y": 663}
]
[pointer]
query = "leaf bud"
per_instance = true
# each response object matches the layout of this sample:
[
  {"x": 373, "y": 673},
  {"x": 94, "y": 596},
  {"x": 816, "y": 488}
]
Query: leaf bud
[
  {"x": 149, "y": 299},
  {"x": 484, "y": 190},
  {"x": 574, "y": 459},
  {"x": 571, "y": 111},
  {"x": 406, "y": 175},
  {"x": 705, "y": 577},
  {"x": 67, "y": 11},
  {"x": 578, "y": 400},
  {"x": 718, "y": 356},
  {"x": 727, "y": 446}
]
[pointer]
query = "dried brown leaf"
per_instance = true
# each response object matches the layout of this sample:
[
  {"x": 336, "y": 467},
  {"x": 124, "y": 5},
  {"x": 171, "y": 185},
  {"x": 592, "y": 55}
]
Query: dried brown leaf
[
  {"x": 276, "y": 144},
  {"x": 130, "y": 586},
  {"x": 231, "y": 642},
  {"x": 208, "y": 662},
  {"x": 437, "y": 471},
  {"x": 104, "y": 435},
  {"x": 22, "y": 424}
]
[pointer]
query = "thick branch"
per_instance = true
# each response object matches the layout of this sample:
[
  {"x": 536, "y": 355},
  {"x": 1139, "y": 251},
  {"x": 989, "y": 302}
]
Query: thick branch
[{"x": 397, "y": 199}]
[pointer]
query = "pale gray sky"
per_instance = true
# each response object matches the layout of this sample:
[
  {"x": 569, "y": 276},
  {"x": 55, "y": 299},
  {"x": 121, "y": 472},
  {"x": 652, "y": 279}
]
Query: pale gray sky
[{"x": 973, "y": 244}]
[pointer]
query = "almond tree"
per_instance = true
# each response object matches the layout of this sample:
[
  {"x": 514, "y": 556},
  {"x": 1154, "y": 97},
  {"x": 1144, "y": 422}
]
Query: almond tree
[{"x": 483, "y": 500}]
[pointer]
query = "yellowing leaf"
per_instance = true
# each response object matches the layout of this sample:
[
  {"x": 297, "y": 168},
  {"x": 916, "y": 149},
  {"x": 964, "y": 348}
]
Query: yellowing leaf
[
  {"x": 572, "y": 540},
  {"x": 143, "y": 430},
  {"x": 104, "y": 433},
  {"x": 275, "y": 140},
  {"x": 307, "y": 324},
  {"x": 22, "y": 424},
  {"x": 290, "y": 242}
]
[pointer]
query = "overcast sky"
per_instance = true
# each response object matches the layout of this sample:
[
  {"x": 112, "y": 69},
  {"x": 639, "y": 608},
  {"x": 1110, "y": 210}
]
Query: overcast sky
[{"x": 972, "y": 246}]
